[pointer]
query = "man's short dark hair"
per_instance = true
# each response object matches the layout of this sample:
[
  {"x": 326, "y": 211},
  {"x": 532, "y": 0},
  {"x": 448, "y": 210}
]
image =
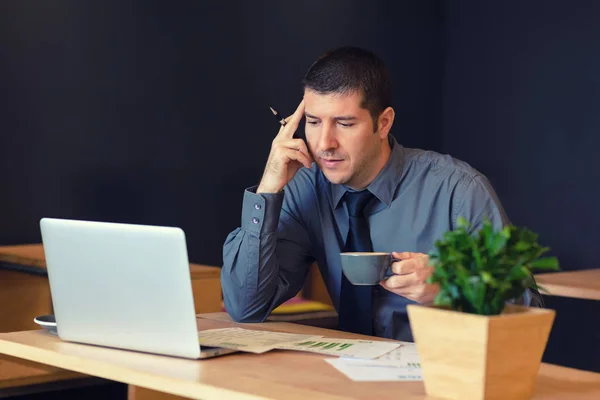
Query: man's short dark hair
[{"x": 352, "y": 69}]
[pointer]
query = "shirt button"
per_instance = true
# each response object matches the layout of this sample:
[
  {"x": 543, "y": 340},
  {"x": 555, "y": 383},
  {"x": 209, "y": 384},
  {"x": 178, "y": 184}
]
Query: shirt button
[
  {"x": 255, "y": 220},
  {"x": 257, "y": 206}
]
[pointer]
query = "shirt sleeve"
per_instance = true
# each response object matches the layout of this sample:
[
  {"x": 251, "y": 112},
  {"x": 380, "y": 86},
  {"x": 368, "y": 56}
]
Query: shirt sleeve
[
  {"x": 266, "y": 259},
  {"x": 479, "y": 201}
]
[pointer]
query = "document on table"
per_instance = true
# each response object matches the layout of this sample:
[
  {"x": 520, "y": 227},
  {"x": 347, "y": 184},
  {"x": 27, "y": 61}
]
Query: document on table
[
  {"x": 373, "y": 370},
  {"x": 343, "y": 347},
  {"x": 401, "y": 364},
  {"x": 250, "y": 340},
  {"x": 255, "y": 341},
  {"x": 405, "y": 354}
]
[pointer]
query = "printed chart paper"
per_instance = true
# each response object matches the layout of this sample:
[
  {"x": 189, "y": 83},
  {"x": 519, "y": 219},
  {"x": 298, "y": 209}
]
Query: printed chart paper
[
  {"x": 253, "y": 341},
  {"x": 406, "y": 355},
  {"x": 400, "y": 364},
  {"x": 343, "y": 347},
  {"x": 374, "y": 370}
]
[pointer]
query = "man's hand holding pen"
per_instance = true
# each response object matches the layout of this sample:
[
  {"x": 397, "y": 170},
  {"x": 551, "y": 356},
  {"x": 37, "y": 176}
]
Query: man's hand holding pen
[{"x": 287, "y": 156}]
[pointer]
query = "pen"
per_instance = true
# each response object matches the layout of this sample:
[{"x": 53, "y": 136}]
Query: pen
[{"x": 279, "y": 118}]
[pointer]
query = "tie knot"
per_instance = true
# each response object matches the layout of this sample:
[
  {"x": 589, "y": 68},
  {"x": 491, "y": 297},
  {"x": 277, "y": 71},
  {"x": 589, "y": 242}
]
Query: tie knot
[{"x": 357, "y": 201}]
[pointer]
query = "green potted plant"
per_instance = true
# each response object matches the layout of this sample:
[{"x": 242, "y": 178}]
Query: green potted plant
[{"x": 473, "y": 342}]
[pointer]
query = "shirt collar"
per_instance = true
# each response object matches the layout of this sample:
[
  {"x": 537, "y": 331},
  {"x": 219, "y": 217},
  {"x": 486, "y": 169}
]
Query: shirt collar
[{"x": 385, "y": 183}]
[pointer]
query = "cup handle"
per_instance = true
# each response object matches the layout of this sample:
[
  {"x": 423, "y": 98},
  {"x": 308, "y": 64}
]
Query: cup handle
[{"x": 392, "y": 260}]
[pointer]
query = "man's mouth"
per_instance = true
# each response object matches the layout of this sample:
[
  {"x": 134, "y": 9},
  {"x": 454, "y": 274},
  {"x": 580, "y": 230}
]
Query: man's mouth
[{"x": 331, "y": 162}]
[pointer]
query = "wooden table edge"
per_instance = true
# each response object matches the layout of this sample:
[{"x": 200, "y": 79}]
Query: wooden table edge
[
  {"x": 556, "y": 290},
  {"x": 195, "y": 390},
  {"x": 567, "y": 289},
  {"x": 62, "y": 376}
]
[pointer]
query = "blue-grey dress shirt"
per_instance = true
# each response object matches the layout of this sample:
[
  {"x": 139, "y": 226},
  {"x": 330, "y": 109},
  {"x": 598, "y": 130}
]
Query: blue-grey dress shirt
[{"x": 418, "y": 196}]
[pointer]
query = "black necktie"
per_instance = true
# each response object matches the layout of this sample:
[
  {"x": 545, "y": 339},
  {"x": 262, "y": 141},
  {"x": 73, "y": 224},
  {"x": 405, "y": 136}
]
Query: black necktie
[{"x": 355, "y": 312}]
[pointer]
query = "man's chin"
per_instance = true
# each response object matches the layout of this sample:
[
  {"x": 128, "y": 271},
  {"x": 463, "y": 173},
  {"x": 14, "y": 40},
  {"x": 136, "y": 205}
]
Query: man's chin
[{"x": 336, "y": 179}]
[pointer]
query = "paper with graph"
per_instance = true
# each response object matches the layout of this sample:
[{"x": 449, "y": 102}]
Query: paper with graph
[
  {"x": 342, "y": 347},
  {"x": 375, "y": 370},
  {"x": 255, "y": 341},
  {"x": 250, "y": 340},
  {"x": 400, "y": 364},
  {"x": 406, "y": 355}
]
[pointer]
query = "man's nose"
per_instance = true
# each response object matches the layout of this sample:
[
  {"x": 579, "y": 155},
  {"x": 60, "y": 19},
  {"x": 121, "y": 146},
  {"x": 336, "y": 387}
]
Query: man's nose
[{"x": 327, "y": 138}]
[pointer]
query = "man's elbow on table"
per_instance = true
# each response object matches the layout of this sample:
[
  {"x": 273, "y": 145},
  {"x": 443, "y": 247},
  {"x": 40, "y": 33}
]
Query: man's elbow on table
[{"x": 243, "y": 314}]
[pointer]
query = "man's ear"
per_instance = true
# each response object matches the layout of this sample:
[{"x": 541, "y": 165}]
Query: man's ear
[{"x": 385, "y": 122}]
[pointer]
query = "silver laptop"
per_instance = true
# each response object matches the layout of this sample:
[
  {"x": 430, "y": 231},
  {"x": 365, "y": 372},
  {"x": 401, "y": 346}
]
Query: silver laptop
[{"x": 123, "y": 286}]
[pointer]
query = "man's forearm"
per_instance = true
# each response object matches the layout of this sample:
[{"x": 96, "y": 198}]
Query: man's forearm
[
  {"x": 250, "y": 270},
  {"x": 249, "y": 288}
]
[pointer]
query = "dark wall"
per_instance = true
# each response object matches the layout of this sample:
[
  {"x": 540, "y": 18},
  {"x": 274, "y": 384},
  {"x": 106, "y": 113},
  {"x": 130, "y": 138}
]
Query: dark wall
[
  {"x": 156, "y": 112},
  {"x": 522, "y": 104}
]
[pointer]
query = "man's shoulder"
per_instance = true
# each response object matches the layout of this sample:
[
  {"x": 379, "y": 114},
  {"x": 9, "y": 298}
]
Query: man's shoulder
[{"x": 439, "y": 165}]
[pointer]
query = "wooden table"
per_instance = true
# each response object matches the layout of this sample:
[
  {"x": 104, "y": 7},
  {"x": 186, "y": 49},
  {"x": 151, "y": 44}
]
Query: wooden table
[
  {"x": 25, "y": 294},
  {"x": 583, "y": 284},
  {"x": 273, "y": 375}
]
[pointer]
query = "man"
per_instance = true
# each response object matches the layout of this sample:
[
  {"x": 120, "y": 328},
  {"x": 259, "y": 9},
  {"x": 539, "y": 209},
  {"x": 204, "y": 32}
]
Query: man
[{"x": 350, "y": 187}]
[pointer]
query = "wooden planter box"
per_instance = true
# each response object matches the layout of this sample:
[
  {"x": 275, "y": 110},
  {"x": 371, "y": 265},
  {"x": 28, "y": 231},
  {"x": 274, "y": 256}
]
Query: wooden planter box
[{"x": 466, "y": 356}]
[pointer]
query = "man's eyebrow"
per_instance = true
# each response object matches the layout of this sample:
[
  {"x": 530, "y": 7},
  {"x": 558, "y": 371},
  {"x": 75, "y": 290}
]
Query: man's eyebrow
[
  {"x": 345, "y": 118},
  {"x": 340, "y": 118}
]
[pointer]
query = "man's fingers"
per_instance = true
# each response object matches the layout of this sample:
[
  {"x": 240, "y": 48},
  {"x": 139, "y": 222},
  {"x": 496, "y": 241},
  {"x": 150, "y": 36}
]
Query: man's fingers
[
  {"x": 298, "y": 145},
  {"x": 287, "y": 120},
  {"x": 299, "y": 113},
  {"x": 292, "y": 121},
  {"x": 395, "y": 282},
  {"x": 301, "y": 158},
  {"x": 406, "y": 255},
  {"x": 296, "y": 155},
  {"x": 405, "y": 267}
]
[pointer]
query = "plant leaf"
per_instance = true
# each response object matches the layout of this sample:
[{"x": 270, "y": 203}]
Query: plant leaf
[
  {"x": 545, "y": 263},
  {"x": 478, "y": 272}
]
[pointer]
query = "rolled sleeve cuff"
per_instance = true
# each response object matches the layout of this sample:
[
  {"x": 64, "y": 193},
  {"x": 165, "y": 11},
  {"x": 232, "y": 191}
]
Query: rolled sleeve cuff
[{"x": 260, "y": 212}]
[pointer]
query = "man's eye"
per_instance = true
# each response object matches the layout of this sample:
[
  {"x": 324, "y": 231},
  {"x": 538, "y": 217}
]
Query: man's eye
[
  {"x": 346, "y": 125},
  {"x": 312, "y": 122}
]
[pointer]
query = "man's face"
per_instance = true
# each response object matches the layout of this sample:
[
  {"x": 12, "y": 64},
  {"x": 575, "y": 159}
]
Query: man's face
[{"x": 341, "y": 139}]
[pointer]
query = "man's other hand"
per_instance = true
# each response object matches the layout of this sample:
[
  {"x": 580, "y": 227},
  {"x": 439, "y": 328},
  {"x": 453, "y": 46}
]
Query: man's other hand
[{"x": 410, "y": 276}]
